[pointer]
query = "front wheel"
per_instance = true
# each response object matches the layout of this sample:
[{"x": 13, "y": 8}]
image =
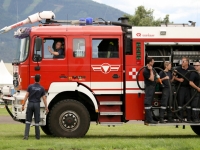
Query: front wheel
[
  {"x": 45, "y": 128},
  {"x": 69, "y": 118},
  {"x": 196, "y": 129}
]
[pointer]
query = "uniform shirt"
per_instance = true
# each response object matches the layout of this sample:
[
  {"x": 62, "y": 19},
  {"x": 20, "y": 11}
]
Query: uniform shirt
[
  {"x": 194, "y": 77},
  {"x": 162, "y": 75},
  {"x": 185, "y": 83},
  {"x": 36, "y": 91},
  {"x": 60, "y": 52},
  {"x": 146, "y": 74}
]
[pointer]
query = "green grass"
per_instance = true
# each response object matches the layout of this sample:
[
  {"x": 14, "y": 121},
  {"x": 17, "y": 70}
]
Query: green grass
[
  {"x": 128, "y": 136},
  {"x": 3, "y": 111},
  {"x": 125, "y": 137}
]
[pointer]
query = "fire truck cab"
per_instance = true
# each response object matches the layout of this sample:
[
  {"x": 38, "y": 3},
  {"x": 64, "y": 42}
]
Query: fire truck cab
[{"x": 95, "y": 78}]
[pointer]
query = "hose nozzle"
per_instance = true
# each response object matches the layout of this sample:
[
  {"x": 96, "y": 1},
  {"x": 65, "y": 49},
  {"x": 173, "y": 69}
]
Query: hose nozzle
[{"x": 159, "y": 80}]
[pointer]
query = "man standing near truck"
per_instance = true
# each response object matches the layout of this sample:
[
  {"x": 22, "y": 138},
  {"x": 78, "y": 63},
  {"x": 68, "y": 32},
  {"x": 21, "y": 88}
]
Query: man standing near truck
[
  {"x": 150, "y": 83},
  {"x": 34, "y": 93},
  {"x": 194, "y": 83},
  {"x": 184, "y": 91}
]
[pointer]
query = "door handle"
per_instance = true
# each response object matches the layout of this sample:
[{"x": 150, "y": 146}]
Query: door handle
[
  {"x": 63, "y": 76},
  {"x": 115, "y": 76}
]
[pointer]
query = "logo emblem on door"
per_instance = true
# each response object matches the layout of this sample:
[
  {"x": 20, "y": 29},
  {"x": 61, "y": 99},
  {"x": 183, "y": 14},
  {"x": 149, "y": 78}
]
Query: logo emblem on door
[{"x": 105, "y": 68}]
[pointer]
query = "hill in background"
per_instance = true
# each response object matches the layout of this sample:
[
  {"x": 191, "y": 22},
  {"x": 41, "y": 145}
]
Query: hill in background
[{"x": 14, "y": 11}]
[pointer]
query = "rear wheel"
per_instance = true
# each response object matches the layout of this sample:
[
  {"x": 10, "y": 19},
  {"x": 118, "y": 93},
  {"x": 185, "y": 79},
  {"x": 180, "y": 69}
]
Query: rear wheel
[
  {"x": 69, "y": 118},
  {"x": 196, "y": 129}
]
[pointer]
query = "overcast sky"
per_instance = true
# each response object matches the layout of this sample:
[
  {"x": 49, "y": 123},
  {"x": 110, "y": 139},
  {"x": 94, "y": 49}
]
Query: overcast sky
[{"x": 180, "y": 11}]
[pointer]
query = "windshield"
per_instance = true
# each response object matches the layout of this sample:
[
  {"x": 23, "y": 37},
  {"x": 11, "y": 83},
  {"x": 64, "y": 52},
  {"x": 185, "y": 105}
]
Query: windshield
[{"x": 22, "y": 49}]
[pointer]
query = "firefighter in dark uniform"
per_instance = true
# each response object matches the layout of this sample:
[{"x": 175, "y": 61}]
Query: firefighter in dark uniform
[
  {"x": 150, "y": 83},
  {"x": 166, "y": 92},
  {"x": 183, "y": 94},
  {"x": 34, "y": 93},
  {"x": 194, "y": 83}
]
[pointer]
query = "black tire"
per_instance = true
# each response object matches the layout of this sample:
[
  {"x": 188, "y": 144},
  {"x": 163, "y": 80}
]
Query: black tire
[
  {"x": 196, "y": 129},
  {"x": 69, "y": 118},
  {"x": 45, "y": 128}
]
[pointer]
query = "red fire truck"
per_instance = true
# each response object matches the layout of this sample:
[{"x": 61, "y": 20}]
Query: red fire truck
[{"x": 95, "y": 80}]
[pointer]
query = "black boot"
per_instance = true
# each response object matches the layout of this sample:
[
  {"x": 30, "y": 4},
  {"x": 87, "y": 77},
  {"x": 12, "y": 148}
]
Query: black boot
[
  {"x": 162, "y": 120},
  {"x": 195, "y": 116},
  {"x": 162, "y": 111},
  {"x": 37, "y": 132},
  {"x": 189, "y": 115},
  {"x": 180, "y": 113},
  {"x": 170, "y": 116},
  {"x": 148, "y": 117},
  {"x": 26, "y": 133}
]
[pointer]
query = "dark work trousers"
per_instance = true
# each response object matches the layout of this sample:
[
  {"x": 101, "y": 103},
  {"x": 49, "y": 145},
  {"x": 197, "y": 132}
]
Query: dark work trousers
[
  {"x": 149, "y": 94},
  {"x": 164, "y": 100},
  {"x": 183, "y": 98},
  {"x": 33, "y": 108},
  {"x": 195, "y": 105},
  {"x": 170, "y": 115}
]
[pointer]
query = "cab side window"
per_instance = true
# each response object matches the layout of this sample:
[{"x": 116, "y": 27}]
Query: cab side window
[
  {"x": 54, "y": 48},
  {"x": 105, "y": 48},
  {"x": 79, "y": 47}
]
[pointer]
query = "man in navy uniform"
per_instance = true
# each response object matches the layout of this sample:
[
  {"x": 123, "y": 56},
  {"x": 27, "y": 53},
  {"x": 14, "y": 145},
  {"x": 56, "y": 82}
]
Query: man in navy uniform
[
  {"x": 34, "y": 93},
  {"x": 183, "y": 94},
  {"x": 150, "y": 83},
  {"x": 194, "y": 83},
  {"x": 165, "y": 76}
]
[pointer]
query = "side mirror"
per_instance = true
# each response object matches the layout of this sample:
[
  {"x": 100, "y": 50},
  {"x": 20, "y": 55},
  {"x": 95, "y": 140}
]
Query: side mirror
[{"x": 38, "y": 42}]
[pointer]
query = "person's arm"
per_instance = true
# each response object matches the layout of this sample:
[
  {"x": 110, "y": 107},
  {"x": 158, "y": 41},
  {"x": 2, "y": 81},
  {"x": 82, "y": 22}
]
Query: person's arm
[
  {"x": 151, "y": 78},
  {"x": 25, "y": 99},
  {"x": 173, "y": 78},
  {"x": 176, "y": 78},
  {"x": 45, "y": 103},
  {"x": 191, "y": 81},
  {"x": 52, "y": 52},
  {"x": 194, "y": 86}
]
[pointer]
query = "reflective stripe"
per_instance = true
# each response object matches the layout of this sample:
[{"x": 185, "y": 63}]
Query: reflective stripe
[
  {"x": 36, "y": 124},
  {"x": 179, "y": 107},
  {"x": 147, "y": 107},
  {"x": 188, "y": 107},
  {"x": 170, "y": 107},
  {"x": 27, "y": 122},
  {"x": 162, "y": 107},
  {"x": 196, "y": 109}
]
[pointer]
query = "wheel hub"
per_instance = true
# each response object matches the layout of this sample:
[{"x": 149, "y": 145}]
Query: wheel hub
[{"x": 69, "y": 121}]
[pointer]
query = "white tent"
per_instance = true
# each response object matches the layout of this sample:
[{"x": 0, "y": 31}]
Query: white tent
[{"x": 5, "y": 77}]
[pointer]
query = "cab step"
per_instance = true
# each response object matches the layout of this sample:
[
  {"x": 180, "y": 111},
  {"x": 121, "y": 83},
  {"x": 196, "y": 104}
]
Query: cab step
[
  {"x": 111, "y": 113},
  {"x": 111, "y": 123},
  {"x": 174, "y": 124},
  {"x": 110, "y": 103}
]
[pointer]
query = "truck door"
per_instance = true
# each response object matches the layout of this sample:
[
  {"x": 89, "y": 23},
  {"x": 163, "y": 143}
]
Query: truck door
[
  {"x": 79, "y": 59},
  {"x": 106, "y": 65},
  {"x": 44, "y": 63}
]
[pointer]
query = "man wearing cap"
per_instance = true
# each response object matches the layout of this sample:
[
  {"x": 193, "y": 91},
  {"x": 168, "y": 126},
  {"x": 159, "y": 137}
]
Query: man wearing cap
[
  {"x": 34, "y": 93},
  {"x": 194, "y": 83}
]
